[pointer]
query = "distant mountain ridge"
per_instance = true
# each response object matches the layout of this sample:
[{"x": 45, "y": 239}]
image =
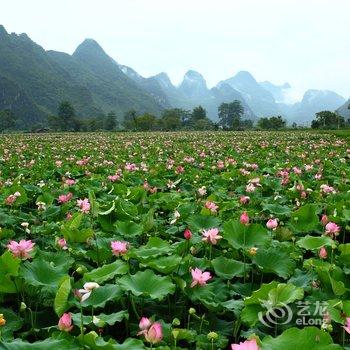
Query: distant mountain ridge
[{"x": 34, "y": 81}]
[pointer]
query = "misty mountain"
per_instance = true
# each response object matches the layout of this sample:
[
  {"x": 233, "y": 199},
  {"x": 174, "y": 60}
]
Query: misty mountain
[
  {"x": 260, "y": 100},
  {"x": 193, "y": 91},
  {"x": 277, "y": 91},
  {"x": 344, "y": 110},
  {"x": 33, "y": 82},
  {"x": 313, "y": 101}
]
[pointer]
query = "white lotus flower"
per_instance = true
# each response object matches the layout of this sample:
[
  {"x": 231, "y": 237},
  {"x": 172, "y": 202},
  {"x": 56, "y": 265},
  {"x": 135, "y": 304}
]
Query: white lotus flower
[{"x": 88, "y": 287}]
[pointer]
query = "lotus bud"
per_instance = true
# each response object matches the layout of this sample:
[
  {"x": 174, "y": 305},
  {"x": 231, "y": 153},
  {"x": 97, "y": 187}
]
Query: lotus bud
[
  {"x": 192, "y": 311},
  {"x": 212, "y": 336}
]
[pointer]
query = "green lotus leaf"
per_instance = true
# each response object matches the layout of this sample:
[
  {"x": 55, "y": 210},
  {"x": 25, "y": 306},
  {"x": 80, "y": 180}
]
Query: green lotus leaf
[
  {"x": 61, "y": 299},
  {"x": 164, "y": 264},
  {"x": 100, "y": 296},
  {"x": 9, "y": 267},
  {"x": 308, "y": 338},
  {"x": 128, "y": 228},
  {"x": 311, "y": 243},
  {"x": 276, "y": 261},
  {"x": 228, "y": 268},
  {"x": 147, "y": 284},
  {"x": 107, "y": 272},
  {"x": 305, "y": 219},
  {"x": 154, "y": 248},
  {"x": 245, "y": 236}
]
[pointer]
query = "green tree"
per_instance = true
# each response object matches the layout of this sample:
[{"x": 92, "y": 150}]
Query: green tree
[
  {"x": 129, "y": 122},
  {"x": 272, "y": 123},
  {"x": 111, "y": 121},
  {"x": 7, "y": 120},
  {"x": 198, "y": 113},
  {"x": 66, "y": 115},
  {"x": 327, "y": 120},
  {"x": 230, "y": 114},
  {"x": 146, "y": 122},
  {"x": 171, "y": 119}
]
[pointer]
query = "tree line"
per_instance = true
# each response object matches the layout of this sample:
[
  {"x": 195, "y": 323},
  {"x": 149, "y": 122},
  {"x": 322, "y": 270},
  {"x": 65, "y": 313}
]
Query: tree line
[{"x": 230, "y": 117}]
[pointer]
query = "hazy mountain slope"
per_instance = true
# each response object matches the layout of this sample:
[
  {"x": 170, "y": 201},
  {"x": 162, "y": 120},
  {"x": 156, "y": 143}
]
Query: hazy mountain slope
[
  {"x": 314, "y": 101},
  {"x": 44, "y": 82},
  {"x": 16, "y": 100},
  {"x": 277, "y": 91},
  {"x": 259, "y": 100},
  {"x": 344, "y": 110}
]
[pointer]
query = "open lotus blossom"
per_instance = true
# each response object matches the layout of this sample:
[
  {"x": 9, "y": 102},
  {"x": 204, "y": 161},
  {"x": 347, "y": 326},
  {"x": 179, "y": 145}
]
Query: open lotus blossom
[
  {"x": 247, "y": 345},
  {"x": 119, "y": 247},
  {"x": 21, "y": 249},
  {"x": 152, "y": 332},
  {"x": 347, "y": 325},
  {"x": 199, "y": 277},
  {"x": 87, "y": 289},
  {"x": 12, "y": 198},
  {"x": 65, "y": 322},
  {"x": 211, "y": 236},
  {"x": 272, "y": 224},
  {"x": 202, "y": 191},
  {"x": 84, "y": 205},
  {"x": 332, "y": 229},
  {"x": 211, "y": 206},
  {"x": 70, "y": 182},
  {"x": 64, "y": 198},
  {"x": 244, "y": 219}
]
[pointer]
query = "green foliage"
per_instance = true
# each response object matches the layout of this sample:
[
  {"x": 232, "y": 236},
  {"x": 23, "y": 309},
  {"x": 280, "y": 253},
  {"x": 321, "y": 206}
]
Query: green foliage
[
  {"x": 230, "y": 114},
  {"x": 328, "y": 120},
  {"x": 272, "y": 123}
]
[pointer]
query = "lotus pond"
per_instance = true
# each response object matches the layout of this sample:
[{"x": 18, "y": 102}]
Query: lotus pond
[{"x": 202, "y": 240}]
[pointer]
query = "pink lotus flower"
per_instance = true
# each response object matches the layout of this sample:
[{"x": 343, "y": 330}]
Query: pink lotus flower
[
  {"x": 152, "y": 332},
  {"x": 84, "y": 205},
  {"x": 347, "y": 325},
  {"x": 244, "y": 199},
  {"x": 244, "y": 219},
  {"x": 332, "y": 229},
  {"x": 114, "y": 178},
  {"x": 70, "y": 182},
  {"x": 155, "y": 333},
  {"x": 62, "y": 243},
  {"x": 58, "y": 163},
  {"x": 64, "y": 198},
  {"x": 144, "y": 324},
  {"x": 211, "y": 206},
  {"x": 199, "y": 277},
  {"x": 211, "y": 235},
  {"x": 187, "y": 234},
  {"x": 119, "y": 248},
  {"x": 12, "y": 198},
  {"x": 272, "y": 224},
  {"x": 65, "y": 323},
  {"x": 247, "y": 345},
  {"x": 21, "y": 249},
  {"x": 322, "y": 253},
  {"x": 327, "y": 189}
]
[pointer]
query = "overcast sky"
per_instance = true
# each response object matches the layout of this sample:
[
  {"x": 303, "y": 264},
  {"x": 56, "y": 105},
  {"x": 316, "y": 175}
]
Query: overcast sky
[{"x": 303, "y": 42}]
